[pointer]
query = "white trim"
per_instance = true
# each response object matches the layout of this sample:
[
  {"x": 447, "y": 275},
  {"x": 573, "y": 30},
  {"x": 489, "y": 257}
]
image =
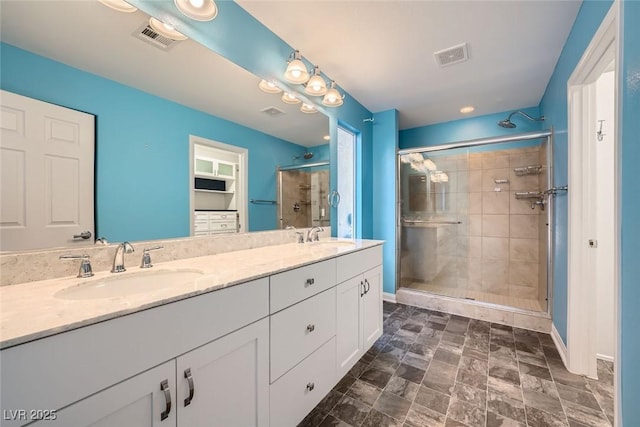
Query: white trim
[
  {"x": 389, "y": 297},
  {"x": 557, "y": 340},
  {"x": 242, "y": 180},
  {"x": 605, "y": 357}
]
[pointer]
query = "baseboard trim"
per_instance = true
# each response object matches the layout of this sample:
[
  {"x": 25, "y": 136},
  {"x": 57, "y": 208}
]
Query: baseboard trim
[
  {"x": 557, "y": 340},
  {"x": 389, "y": 297},
  {"x": 605, "y": 357}
]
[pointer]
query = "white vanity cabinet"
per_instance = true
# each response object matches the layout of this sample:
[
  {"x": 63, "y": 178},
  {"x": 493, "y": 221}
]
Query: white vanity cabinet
[{"x": 358, "y": 306}]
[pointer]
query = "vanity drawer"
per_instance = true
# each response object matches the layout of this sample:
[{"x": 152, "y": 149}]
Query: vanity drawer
[
  {"x": 355, "y": 263},
  {"x": 226, "y": 226},
  {"x": 201, "y": 225},
  {"x": 295, "y": 285},
  {"x": 295, "y": 394},
  {"x": 299, "y": 330},
  {"x": 220, "y": 216}
]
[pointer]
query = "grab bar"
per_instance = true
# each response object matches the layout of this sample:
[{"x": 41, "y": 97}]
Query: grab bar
[
  {"x": 528, "y": 195},
  {"x": 262, "y": 202},
  {"x": 425, "y": 221}
]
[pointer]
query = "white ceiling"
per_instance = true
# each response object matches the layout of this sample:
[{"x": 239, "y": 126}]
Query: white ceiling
[
  {"x": 381, "y": 52},
  {"x": 89, "y": 36}
]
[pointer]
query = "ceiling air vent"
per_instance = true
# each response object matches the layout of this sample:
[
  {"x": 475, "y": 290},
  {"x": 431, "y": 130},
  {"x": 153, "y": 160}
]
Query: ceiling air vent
[
  {"x": 272, "y": 112},
  {"x": 147, "y": 34},
  {"x": 452, "y": 55}
]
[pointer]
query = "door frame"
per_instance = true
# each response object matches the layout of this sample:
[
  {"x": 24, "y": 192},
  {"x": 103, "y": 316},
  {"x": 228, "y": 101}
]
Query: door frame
[{"x": 581, "y": 297}]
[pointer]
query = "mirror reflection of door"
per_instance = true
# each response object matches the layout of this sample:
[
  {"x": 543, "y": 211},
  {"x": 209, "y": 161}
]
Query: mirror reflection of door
[
  {"x": 344, "y": 197},
  {"x": 49, "y": 151}
]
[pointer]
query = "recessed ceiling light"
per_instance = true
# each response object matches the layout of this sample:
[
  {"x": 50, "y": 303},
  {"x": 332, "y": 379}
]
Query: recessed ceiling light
[
  {"x": 467, "y": 109},
  {"x": 326, "y": 137},
  {"x": 166, "y": 29},
  {"x": 119, "y": 5}
]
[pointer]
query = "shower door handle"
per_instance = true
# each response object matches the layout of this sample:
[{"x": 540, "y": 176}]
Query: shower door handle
[{"x": 333, "y": 198}]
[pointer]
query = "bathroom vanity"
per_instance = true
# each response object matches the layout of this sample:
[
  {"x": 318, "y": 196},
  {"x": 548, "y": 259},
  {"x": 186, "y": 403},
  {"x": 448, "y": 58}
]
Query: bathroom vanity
[{"x": 256, "y": 346}]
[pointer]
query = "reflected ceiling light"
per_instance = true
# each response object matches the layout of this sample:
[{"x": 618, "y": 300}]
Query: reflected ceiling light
[
  {"x": 316, "y": 86},
  {"x": 308, "y": 108},
  {"x": 289, "y": 98},
  {"x": 269, "y": 87},
  {"x": 467, "y": 109},
  {"x": 119, "y": 5},
  {"x": 166, "y": 30},
  {"x": 333, "y": 97},
  {"x": 296, "y": 70},
  {"x": 326, "y": 137},
  {"x": 200, "y": 10}
]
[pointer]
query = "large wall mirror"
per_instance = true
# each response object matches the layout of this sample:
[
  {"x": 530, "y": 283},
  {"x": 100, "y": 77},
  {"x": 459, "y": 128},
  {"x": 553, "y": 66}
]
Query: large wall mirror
[{"x": 148, "y": 100}]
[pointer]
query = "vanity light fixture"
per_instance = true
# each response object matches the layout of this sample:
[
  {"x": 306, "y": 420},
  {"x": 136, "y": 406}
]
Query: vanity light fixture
[
  {"x": 333, "y": 98},
  {"x": 468, "y": 109},
  {"x": 308, "y": 108},
  {"x": 119, "y": 5},
  {"x": 296, "y": 70},
  {"x": 269, "y": 86},
  {"x": 316, "y": 86},
  {"x": 166, "y": 30},
  {"x": 289, "y": 98},
  {"x": 199, "y": 10}
]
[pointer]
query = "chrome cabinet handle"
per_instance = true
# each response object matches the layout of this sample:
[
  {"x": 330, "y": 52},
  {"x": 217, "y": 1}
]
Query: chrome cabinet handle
[
  {"x": 368, "y": 286},
  {"x": 164, "y": 386},
  {"x": 310, "y": 386},
  {"x": 84, "y": 235},
  {"x": 362, "y": 292},
  {"x": 310, "y": 282},
  {"x": 187, "y": 375},
  {"x": 311, "y": 327}
]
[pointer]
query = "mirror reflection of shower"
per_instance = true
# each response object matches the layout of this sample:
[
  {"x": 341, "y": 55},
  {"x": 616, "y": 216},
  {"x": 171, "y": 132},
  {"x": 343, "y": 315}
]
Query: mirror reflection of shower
[
  {"x": 302, "y": 194},
  {"x": 507, "y": 123}
]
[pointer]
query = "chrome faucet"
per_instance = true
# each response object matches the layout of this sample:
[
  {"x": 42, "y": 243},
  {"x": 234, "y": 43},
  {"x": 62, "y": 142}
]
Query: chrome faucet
[
  {"x": 118, "y": 259},
  {"x": 312, "y": 234},
  {"x": 85, "y": 265}
]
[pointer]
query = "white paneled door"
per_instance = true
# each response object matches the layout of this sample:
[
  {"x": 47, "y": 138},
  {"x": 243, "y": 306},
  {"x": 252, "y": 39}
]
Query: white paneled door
[{"x": 46, "y": 175}]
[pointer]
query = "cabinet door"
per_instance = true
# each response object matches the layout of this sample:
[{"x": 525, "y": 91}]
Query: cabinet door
[
  {"x": 229, "y": 378},
  {"x": 138, "y": 401},
  {"x": 372, "y": 307},
  {"x": 349, "y": 325},
  {"x": 225, "y": 170}
]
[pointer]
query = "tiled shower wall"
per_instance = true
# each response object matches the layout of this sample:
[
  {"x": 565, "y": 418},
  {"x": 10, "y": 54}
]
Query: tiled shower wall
[
  {"x": 497, "y": 247},
  {"x": 308, "y": 191}
]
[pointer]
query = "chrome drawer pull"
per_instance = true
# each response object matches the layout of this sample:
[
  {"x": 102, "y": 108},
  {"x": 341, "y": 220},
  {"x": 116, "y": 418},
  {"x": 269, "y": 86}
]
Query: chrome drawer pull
[
  {"x": 366, "y": 282},
  {"x": 187, "y": 375},
  {"x": 363, "y": 292},
  {"x": 310, "y": 282},
  {"x": 311, "y": 327},
  {"x": 311, "y": 386},
  {"x": 164, "y": 386}
]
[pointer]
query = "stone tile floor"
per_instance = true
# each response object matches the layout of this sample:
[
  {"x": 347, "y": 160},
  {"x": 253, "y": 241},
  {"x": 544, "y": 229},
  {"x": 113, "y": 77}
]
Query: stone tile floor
[{"x": 435, "y": 369}]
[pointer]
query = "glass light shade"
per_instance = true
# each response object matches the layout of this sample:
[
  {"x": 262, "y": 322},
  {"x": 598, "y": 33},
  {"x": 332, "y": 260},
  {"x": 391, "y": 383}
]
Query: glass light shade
[
  {"x": 269, "y": 87},
  {"x": 316, "y": 86},
  {"x": 119, "y": 5},
  {"x": 308, "y": 108},
  {"x": 166, "y": 30},
  {"x": 333, "y": 97},
  {"x": 289, "y": 98},
  {"x": 199, "y": 10},
  {"x": 296, "y": 72}
]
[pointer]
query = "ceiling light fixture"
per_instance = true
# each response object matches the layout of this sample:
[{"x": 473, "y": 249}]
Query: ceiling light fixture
[
  {"x": 308, "y": 108},
  {"x": 166, "y": 30},
  {"x": 296, "y": 70},
  {"x": 316, "y": 86},
  {"x": 119, "y": 5},
  {"x": 269, "y": 87},
  {"x": 333, "y": 97},
  {"x": 289, "y": 98},
  {"x": 326, "y": 137},
  {"x": 200, "y": 10},
  {"x": 468, "y": 109}
]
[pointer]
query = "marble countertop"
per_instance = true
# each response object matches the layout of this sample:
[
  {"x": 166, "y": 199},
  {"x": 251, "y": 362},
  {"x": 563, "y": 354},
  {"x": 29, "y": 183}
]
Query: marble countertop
[{"x": 32, "y": 310}]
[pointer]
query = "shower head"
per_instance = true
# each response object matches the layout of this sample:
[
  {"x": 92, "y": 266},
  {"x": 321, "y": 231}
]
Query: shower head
[
  {"x": 507, "y": 123},
  {"x": 308, "y": 155}
]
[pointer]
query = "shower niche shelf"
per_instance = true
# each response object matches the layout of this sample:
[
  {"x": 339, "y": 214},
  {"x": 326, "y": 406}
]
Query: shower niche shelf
[{"x": 528, "y": 170}]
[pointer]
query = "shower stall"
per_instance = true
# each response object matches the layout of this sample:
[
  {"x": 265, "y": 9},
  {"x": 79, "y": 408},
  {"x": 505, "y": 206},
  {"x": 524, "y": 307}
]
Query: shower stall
[
  {"x": 474, "y": 220},
  {"x": 302, "y": 195}
]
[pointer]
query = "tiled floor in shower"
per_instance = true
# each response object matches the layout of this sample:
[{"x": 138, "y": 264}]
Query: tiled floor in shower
[
  {"x": 434, "y": 369},
  {"x": 509, "y": 301}
]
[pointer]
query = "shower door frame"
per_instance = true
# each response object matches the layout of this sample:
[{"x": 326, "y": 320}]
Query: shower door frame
[{"x": 548, "y": 134}]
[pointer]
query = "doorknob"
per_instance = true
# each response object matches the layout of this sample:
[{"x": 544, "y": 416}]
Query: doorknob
[{"x": 84, "y": 235}]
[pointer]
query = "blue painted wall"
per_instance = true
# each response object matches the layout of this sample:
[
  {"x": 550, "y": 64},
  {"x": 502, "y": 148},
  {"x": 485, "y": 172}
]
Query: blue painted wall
[
  {"x": 554, "y": 107},
  {"x": 629, "y": 72},
  {"x": 469, "y": 128},
  {"x": 142, "y": 148},
  {"x": 385, "y": 145}
]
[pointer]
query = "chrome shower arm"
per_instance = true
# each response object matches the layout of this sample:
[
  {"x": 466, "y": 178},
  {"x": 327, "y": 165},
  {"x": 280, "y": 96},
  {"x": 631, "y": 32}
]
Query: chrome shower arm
[{"x": 533, "y": 119}]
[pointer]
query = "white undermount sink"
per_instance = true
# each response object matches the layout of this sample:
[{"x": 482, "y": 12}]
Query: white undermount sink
[{"x": 128, "y": 284}]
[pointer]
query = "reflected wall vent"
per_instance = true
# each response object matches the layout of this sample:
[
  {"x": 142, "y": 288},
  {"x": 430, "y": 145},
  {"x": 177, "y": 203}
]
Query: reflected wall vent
[
  {"x": 451, "y": 55},
  {"x": 147, "y": 34},
  {"x": 272, "y": 112}
]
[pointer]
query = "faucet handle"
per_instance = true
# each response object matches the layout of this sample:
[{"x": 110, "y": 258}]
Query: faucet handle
[
  {"x": 85, "y": 266},
  {"x": 146, "y": 257},
  {"x": 300, "y": 235}
]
